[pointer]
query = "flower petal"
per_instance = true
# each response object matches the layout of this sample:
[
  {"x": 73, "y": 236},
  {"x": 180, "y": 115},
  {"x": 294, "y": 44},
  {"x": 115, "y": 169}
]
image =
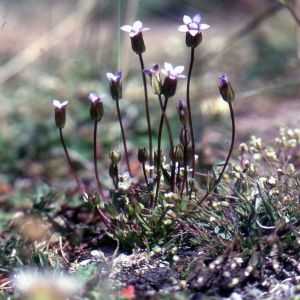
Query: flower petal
[
  {"x": 165, "y": 72},
  {"x": 126, "y": 28},
  {"x": 203, "y": 26},
  {"x": 183, "y": 28},
  {"x": 197, "y": 18},
  {"x": 168, "y": 67},
  {"x": 147, "y": 72},
  {"x": 59, "y": 105},
  {"x": 181, "y": 76},
  {"x": 144, "y": 29},
  {"x": 137, "y": 25},
  {"x": 193, "y": 32},
  {"x": 187, "y": 19},
  {"x": 179, "y": 69},
  {"x": 93, "y": 97},
  {"x": 111, "y": 76}
]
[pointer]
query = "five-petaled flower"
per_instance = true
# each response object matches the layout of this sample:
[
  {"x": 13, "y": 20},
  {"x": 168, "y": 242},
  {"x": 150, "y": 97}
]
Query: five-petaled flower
[
  {"x": 96, "y": 110},
  {"x": 173, "y": 73},
  {"x": 192, "y": 26},
  {"x": 135, "y": 29},
  {"x": 155, "y": 81},
  {"x": 115, "y": 85},
  {"x": 170, "y": 83},
  {"x": 60, "y": 113},
  {"x": 136, "y": 36}
]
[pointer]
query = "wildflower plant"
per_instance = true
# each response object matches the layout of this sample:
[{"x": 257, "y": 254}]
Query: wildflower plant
[
  {"x": 173, "y": 195},
  {"x": 149, "y": 213}
]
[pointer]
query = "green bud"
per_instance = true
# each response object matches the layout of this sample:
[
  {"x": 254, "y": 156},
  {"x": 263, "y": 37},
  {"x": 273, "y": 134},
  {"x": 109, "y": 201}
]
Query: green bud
[
  {"x": 179, "y": 153},
  {"x": 94, "y": 199},
  {"x": 156, "y": 163},
  {"x": 112, "y": 170},
  {"x": 183, "y": 112},
  {"x": 115, "y": 156},
  {"x": 60, "y": 113}
]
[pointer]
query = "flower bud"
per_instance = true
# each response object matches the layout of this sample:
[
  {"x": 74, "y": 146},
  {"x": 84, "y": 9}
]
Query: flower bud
[
  {"x": 115, "y": 85},
  {"x": 225, "y": 88},
  {"x": 184, "y": 137},
  {"x": 183, "y": 112},
  {"x": 169, "y": 87},
  {"x": 179, "y": 153},
  {"x": 115, "y": 156},
  {"x": 60, "y": 113},
  {"x": 94, "y": 199},
  {"x": 193, "y": 41},
  {"x": 96, "y": 110},
  {"x": 137, "y": 43},
  {"x": 142, "y": 155},
  {"x": 156, "y": 163},
  {"x": 155, "y": 80},
  {"x": 112, "y": 171}
]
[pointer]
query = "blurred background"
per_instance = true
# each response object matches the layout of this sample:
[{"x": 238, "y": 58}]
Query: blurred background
[{"x": 63, "y": 50}]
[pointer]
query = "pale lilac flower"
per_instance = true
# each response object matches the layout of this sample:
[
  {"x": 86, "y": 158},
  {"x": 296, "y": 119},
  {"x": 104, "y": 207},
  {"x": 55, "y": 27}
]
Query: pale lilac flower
[
  {"x": 192, "y": 26},
  {"x": 94, "y": 98},
  {"x": 135, "y": 29},
  {"x": 114, "y": 79},
  {"x": 59, "y": 105},
  {"x": 173, "y": 73}
]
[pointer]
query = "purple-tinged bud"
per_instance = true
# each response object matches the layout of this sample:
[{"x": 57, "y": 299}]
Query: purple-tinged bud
[
  {"x": 60, "y": 113},
  {"x": 183, "y": 112},
  {"x": 115, "y": 85},
  {"x": 225, "y": 88},
  {"x": 115, "y": 156},
  {"x": 169, "y": 87},
  {"x": 184, "y": 137},
  {"x": 142, "y": 155},
  {"x": 154, "y": 79},
  {"x": 96, "y": 110}
]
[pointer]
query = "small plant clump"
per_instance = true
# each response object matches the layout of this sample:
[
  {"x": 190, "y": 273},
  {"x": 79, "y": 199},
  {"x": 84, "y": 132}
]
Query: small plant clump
[{"x": 237, "y": 214}]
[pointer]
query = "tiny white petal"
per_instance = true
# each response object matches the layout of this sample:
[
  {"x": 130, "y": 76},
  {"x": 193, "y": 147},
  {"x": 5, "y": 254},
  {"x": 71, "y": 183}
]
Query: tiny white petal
[
  {"x": 57, "y": 104},
  {"x": 187, "y": 19},
  {"x": 197, "y": 18},
  {"x": 126, "y": 28},
  {"x": 143, "y": 29},
  {"x": 165, "y": 72},
  {"x": 203, "y": 26},
  {"x": 111, "y": 76},
  {"x": 137, "y": 25},
  {"x": 193, "y": 32},
  {"x": 183, "y": 28},
  {"x": 93, "y": 97},
  {"x": 181, "y": 76},
  {"x": 179, "y": 69},
  {"x": 168, "y": 66}
]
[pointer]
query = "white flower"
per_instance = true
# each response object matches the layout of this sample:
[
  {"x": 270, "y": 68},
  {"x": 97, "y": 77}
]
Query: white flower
[
  {"x": 59, "y": 105},
  {"x": 192, "y": 26},
  {"x": 135, "y": 29},
  {"x": 94, "y": 98},
  {"x": 114, "y": 79},
  {"x": 173, "y": 73}
]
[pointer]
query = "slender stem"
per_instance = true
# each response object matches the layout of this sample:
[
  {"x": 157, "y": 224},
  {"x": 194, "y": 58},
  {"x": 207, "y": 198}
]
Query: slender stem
[
  {"x": 228, "y": 156},
  {"x": 95, "y": 165},
  {"x": 159, "y": 151},
  {"x": 185, "y": 149},
  {"x": 147, "y": 113},
  {"x": 165, "y": 118},
  {"x": 189, "y": 110},
  {"x": 71, "y": 166},
  {"x": 107, "y": 222},
  {"x": 123, "y": 138},
  {"x": 117, "y": 176}
]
